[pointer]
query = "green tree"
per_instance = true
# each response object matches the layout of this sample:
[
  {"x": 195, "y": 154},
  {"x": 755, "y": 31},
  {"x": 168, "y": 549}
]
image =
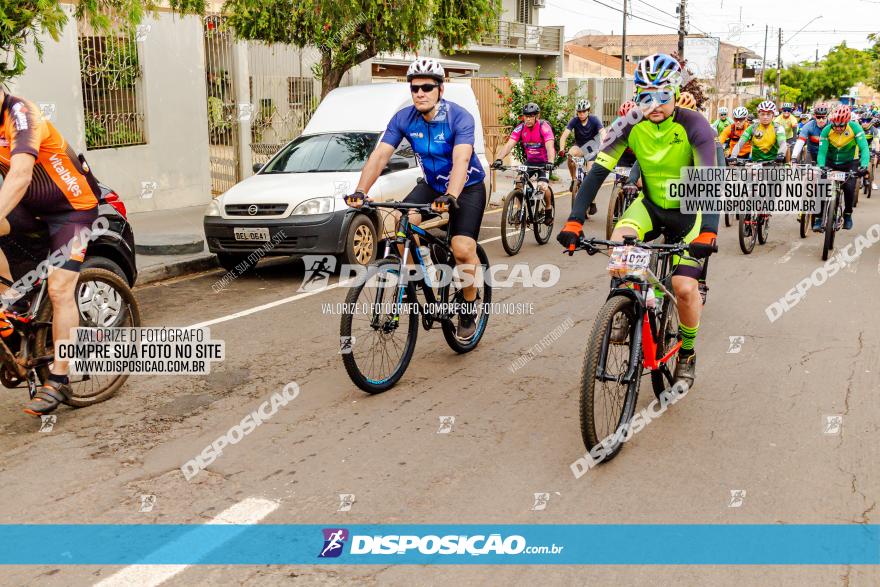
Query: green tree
[
  {"x": 348, "y": 32},
  {"x": 835, "y": 73},
  {"x": 556, "y": 109},
  {"x": 25, "y": 22}
]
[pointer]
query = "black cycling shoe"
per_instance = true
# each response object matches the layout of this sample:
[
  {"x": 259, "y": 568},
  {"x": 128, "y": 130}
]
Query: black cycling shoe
[
  {"x": 686, "y": 369},
  {"x": 704, "y": 291},
  {"x": 571, "y": 186},
  {"x": 548, "y": 216},
  {"x": 592, "y": 211},
  {"x": 47, "y": 398},
  {"x": 467, "y": 319},
  {"x": 817, "y": 224}
]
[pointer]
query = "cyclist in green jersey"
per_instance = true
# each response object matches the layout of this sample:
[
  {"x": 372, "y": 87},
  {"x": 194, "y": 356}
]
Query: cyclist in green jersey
[
  {"x": 837, "y": 150},
  {"x": 722, "y": 122},
  {"x": 664, "y": 138},
  {"x": 767, "y": 136}
]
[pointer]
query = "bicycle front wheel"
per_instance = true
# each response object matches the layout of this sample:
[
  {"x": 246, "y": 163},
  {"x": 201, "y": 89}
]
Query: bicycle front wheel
[
  {"x": 104, "y": 300},
  {"x": 452, "y": 293},
  {"x": 830, "y": 222},
  {"x": 616, "y": 207},
  {"x": 748, "y": 233},
  {"x": 607, "y": 402},
  {"x": 543, "y": 231},
  {"x": 513, "y": 222},
  {"x": 377, "y": 335},
  {"x": 763, "y": 223}
]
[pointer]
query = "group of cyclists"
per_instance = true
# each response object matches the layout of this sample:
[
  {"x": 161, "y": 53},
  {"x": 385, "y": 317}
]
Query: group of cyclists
[{"x": 668, "y": 134}]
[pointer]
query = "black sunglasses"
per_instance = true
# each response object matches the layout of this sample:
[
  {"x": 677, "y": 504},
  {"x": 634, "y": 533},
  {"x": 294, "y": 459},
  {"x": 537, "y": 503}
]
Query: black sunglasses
[{"x": 427, "y": 88}]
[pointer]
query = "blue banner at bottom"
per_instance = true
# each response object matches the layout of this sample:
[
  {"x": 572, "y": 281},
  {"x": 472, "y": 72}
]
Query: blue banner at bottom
[{"x": 614, "y": 544}]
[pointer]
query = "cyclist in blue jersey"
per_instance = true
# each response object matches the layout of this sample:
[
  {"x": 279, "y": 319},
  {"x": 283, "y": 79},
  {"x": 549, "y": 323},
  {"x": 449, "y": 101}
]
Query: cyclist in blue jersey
[
  {"x": 810, "y": 133},
  {"x": 442, "y": 135}
]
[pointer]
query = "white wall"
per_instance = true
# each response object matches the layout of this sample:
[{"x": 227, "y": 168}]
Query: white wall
[{"x": 175, "y": 113}]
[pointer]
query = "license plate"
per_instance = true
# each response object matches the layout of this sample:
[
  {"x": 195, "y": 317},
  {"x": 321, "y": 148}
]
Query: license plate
[
  {"x": 629, "y": 261},
  {"x": 251, "y": 234},
  {"x": 578, "y": 160},
  {"x": 837, "y": 176},
  {"x": 522, "y": 167},
  {"x": 622, "y": 171}
]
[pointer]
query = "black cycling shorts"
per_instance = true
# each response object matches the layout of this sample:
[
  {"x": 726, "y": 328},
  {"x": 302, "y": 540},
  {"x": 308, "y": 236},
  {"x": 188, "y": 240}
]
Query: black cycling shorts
[
  {"x": 466, "y": 219},
  {"x": 64, "y": 230}
]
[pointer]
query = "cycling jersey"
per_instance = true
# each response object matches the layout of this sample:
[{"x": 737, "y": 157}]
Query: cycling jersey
[
  {"x": 841, "y": 147},
  {"x": 59, "y": 182},
  {"x": 730, "y": 137},
  {"x": 789, "y": 123},
  {"x": 584, "y": 131},
  {"x": 810, "y": 135},
  {"x": 534, "y": 139},
  {"x": 433, "y": 141},
  {"x": 767, "y": 141},
  {"x": 720, "y": 124}
]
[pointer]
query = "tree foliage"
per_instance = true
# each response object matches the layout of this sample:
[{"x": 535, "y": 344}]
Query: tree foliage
[
  {"x": 348, "y": 32},
  {"x": 25, "y": 22},
  {"x": 833, "y": 76}
]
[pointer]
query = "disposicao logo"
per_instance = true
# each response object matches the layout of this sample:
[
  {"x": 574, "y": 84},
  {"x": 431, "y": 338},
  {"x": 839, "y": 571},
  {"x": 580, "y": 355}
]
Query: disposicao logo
[{"x": 334, "y": 540}]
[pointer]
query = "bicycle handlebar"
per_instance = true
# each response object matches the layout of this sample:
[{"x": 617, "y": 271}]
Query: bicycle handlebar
[{"x": 589, "y": 244}]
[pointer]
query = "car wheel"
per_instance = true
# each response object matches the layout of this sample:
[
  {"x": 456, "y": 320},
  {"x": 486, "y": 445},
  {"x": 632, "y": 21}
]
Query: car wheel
[
  {"x": 105, "y": 263},
  {"x": 235, "y": 262},
  {"x": 360, "y": 243}
]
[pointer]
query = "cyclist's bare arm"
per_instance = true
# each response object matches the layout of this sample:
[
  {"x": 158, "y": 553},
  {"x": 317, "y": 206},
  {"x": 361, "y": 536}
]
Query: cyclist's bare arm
[
  {"x": 563, "y": 138},
  {"x": 508, "y": 146},
  {"x": 461, "y": 160},
  {"x": 21, "y": 170},
  {"x": 551, "y": 150},
  {"x": 375, "y": 164}
]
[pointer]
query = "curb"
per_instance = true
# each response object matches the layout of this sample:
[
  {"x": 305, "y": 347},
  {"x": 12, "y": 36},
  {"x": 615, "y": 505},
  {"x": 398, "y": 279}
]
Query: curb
[
  {"x": 156, "y": 273},
  {"x": 181, "y": 247}
]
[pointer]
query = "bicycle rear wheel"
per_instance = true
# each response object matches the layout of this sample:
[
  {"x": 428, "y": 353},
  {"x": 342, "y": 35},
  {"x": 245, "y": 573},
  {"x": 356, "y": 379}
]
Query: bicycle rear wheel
[
  {"x": 513, "y": 222},
  {"x": 748, "y": 233},
  {"x": 607, "y": 403},
  {"x": 377, "y": 342},
  {"x": 451, "y": 293},
  {"x": 542, "y": 231},
  {"x": 104, "y": 301}
]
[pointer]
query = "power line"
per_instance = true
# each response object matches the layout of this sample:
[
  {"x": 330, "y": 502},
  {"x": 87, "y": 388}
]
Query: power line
[{"x": 631, "y": 15}]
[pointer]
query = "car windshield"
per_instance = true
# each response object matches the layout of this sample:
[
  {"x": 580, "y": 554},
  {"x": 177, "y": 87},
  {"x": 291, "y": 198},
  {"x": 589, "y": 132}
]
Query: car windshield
[{"x": 328, "y": 152}]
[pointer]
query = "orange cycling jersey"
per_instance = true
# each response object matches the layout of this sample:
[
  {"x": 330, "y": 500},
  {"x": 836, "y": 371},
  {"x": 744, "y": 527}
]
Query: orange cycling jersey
[
  {"x": 59, "y": 181},
  {"x": 730, "y": 137}
]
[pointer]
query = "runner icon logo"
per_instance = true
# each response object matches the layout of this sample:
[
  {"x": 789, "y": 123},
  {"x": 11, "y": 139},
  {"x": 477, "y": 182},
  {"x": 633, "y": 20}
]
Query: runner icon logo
[
  {"x": 345, "y": 344},
  {"x": 334, "y": 540},
  {"x": 318, "y": 269}
]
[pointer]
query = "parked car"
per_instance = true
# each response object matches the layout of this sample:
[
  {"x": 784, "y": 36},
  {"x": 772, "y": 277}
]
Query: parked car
[{"x": 295, "y": 201}]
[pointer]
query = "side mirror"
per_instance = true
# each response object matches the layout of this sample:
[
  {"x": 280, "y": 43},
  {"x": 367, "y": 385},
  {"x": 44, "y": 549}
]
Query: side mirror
[
  {"x": 257, "y": 167},
  {"x": 396, "y": 165}
]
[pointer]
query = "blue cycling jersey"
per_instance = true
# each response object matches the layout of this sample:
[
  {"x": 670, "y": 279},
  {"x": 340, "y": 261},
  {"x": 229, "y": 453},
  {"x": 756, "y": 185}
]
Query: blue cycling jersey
[
  {"x": 811, "y": 133},
  {"x": 433, "y": 141}
]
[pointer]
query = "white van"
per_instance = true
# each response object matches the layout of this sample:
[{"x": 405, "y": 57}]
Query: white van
[{"x": 307, "y": 206}]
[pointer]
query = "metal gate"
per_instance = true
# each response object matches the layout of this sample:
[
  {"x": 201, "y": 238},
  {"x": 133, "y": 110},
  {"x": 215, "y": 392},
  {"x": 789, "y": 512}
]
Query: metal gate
[
  {"x": 284, "y": 97},
  {"x": 223, "y": 115}
]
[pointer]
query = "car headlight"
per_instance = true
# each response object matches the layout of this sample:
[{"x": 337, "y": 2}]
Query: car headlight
[
  {"x": 314, "y": 206},
  {"x": 213, "y": 208}
]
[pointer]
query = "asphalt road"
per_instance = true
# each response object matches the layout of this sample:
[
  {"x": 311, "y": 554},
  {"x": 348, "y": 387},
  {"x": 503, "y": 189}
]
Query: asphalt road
[{"x": 755, "y": 422}]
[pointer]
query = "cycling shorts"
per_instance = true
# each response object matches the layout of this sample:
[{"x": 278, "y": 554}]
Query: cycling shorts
[
  {"x": 466, "y": 219},
  {"x": 64, "y": 230},
  {"x": 651, "y": 221}
]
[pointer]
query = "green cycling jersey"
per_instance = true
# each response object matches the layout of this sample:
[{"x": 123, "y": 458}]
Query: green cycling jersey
[
  {"x": 839, "y": 147},
  {"x": 720, "y": 124},
  {"x": 767, "y": 141}
]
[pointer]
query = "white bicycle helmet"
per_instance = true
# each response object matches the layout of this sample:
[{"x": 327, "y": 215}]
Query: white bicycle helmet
[
  {"x": 426, "y": 67},
  {"x": 766, "y": 106},
  {"x": 740, "y": 112},
  {"x": 722, "y": 111},
  {"x": 583, "y": 105}
]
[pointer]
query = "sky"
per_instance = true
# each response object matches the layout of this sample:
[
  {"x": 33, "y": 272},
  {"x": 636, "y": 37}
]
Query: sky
[{"x": 840, "y": 20}]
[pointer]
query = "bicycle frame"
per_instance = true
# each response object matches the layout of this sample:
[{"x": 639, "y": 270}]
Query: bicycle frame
[{"x": 23, "y": 366}]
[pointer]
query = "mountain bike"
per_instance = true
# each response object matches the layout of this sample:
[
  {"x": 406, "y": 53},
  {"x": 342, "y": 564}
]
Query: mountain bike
[
  {"x": 832, "y": 213},
  {"x": 868, "y": 181},
  {"x": 580, "y": 173},
  {"x": 754, "y": 226},
  {"x": 104, "y": 300},
  {"x": 635, "y": 333},
  {"x": 805, "y": 221},
  {"x": 619, "y": 201},
  {"x": 380, "y": 322},
  {"x": 524, "y": 206}
]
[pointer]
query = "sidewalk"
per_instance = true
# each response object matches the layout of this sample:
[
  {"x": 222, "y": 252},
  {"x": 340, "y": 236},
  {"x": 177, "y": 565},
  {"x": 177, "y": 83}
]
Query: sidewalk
[{"x": 171, "y": 243}]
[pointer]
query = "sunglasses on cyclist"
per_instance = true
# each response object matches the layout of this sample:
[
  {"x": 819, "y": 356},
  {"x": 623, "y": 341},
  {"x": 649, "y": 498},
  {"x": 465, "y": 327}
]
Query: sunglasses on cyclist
[
  {"x": 659, "y": 96},
  {"x": 427, "y": 88},
  {"x": 821, "y": 117}
]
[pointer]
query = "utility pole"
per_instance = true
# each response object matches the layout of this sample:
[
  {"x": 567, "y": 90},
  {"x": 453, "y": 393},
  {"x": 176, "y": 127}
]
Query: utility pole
[
  {"x": 764, "y": 59},
  {"x": 778, "y": 64},
  {"x": 681, "y": 31},
  {"x": 623, "y": 45}
]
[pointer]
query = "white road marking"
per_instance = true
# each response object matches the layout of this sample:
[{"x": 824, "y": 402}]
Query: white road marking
[
  {"x": 247, "y": 512},
  {"x": 787, "y": 256},
  {"x": 288, "y": 299}
]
